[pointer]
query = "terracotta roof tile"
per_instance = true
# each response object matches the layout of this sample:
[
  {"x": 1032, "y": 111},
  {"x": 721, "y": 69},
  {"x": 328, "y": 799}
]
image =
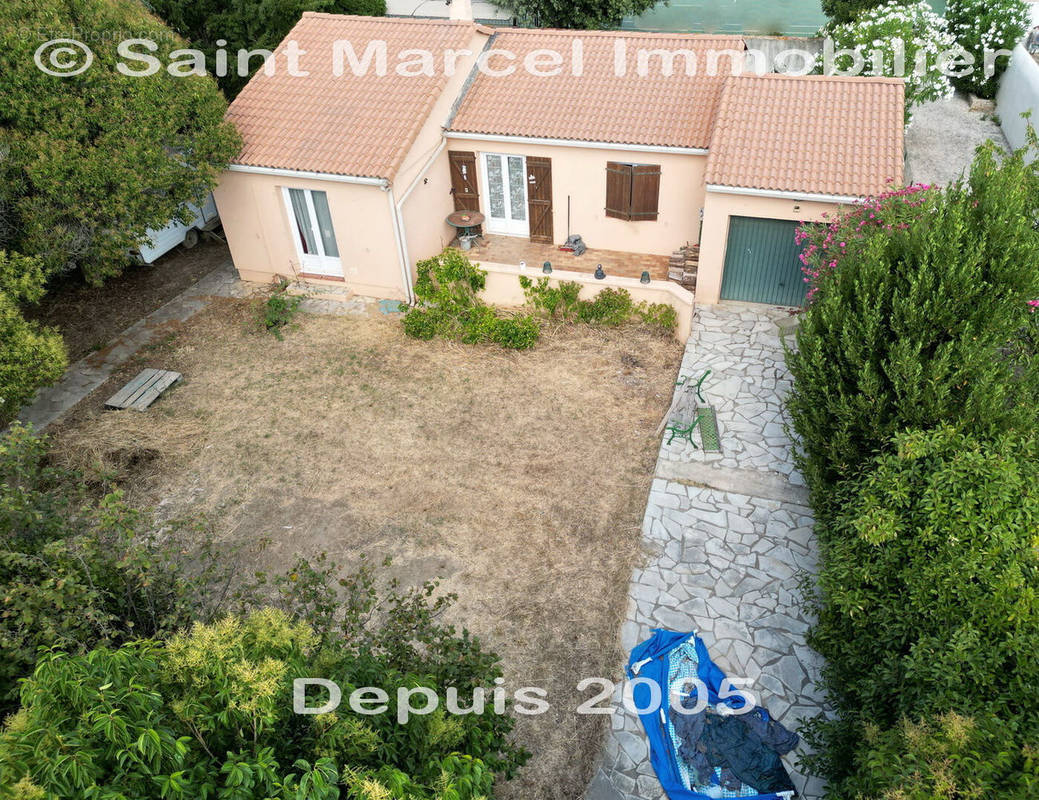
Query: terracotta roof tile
[
  {"x": 820, "y": 135},
  {"x": 347, "y": 125},
  {"x": 598, "y": 105}
]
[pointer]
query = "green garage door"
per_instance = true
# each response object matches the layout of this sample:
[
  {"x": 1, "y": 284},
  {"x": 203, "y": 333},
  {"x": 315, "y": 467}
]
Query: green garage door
[{"x": 762, "y": 263}]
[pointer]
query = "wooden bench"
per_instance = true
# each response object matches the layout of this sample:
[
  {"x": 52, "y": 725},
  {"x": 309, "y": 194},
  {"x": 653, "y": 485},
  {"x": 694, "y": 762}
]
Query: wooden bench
[{"x": 143, "y": 390}]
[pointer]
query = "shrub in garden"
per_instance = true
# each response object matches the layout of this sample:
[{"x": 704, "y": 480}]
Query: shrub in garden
[
  {"x": 919, "y": 317},
  {"x": 609, "y": 307},
  {"x": 980, "y": 25},
  {"x": 275, "y": 313},
  {"x": 948, "y": 756},
  {"x": 210, "y": 714},
  {"x": 928, "y": 604},
  {"x": 893, "y": 34},
  {"x": 447, "y": 286}
]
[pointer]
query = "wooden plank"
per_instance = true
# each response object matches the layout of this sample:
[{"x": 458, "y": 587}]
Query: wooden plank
[
  {"x": 122, "y": 398},
  {"x": 142, "y": 391},
  {"x": 164, "y": 382}
]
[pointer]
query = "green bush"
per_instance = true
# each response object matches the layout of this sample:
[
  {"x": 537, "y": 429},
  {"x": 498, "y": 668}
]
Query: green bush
[
  {"x": 276, "y": 312},
  {"x": 919, "y": 317},
  {"x": 210, "y": 714},
  {"x": 980, "y": 25},
  {"x": 609, "y": 307},
  {"x": 447, "y": 286},
  {"x": 31, "y": 356},
  {"x": 928, "y": 597},
  {"x": 948, "y": 757},
  {"x": 930, "y": 583}
]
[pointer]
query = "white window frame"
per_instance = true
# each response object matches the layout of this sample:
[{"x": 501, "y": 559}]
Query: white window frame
[
  {"x": 509, "y": 226},
  {"x": 312, "y": 263}
]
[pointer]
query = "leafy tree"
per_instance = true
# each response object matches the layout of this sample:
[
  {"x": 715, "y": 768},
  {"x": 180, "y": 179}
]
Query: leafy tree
[
  {"x": 31, "y": 356},
  {"x": 248, "y": 25},
  {"x": 581, "y": 14},
  {"x": 890, "y": 39},
  {"x": 980, "y": 25},
  {"x": 90, "y": 161},
  {"x": 919, "y": 318},
  {"x": 210, "y": 714}
]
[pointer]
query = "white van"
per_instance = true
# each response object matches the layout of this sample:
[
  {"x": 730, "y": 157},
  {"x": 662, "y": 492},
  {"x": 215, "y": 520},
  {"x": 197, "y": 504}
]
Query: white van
[{"x": 204, "y": 218}]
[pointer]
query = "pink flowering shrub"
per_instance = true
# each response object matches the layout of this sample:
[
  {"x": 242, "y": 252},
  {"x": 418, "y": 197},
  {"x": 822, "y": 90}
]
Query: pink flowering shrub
[{"x": 827, "y": 245}]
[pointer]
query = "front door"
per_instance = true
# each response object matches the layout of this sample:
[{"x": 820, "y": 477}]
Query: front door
[{"x": 505, "y": 193}]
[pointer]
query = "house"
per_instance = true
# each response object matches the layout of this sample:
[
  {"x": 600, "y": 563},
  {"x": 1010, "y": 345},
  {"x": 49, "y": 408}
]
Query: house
[{"x": 547, "y": 133}]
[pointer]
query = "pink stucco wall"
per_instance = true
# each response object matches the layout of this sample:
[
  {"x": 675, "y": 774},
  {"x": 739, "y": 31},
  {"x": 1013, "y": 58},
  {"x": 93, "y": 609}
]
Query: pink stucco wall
[
  {"x": 580, "y": 174},
  {"x": 260, "y": 236}
]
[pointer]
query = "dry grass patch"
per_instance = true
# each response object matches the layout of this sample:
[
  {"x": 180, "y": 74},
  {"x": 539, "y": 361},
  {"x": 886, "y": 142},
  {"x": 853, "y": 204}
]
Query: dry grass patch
[{"x": 518, "y": 478}]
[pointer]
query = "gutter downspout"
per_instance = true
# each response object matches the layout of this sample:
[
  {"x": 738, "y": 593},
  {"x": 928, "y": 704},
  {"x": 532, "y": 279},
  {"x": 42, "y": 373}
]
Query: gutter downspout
[
  {"x": 402, "y": 246},
  {"x": 397, "y": 212}
]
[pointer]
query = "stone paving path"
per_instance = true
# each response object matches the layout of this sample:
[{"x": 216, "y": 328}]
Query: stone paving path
[
  {"x": 93, "y": 370},
  {"x": 728, "y": 536}
]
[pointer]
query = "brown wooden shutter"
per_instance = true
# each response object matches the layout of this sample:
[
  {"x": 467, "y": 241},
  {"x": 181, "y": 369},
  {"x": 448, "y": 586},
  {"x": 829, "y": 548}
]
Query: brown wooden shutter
[
  {"x": 539, "y": 198},
  {"x": 618, "y": 190},
  {"x": 645, "y": 191},
  {"x": 464, "y": 187}
]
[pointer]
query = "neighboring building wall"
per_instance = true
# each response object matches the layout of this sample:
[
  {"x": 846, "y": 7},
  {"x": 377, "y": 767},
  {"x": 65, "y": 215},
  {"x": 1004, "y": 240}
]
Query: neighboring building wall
[
  {"x": 1018, "y": 93},
  {"x": 718, "y": 212},
  {"x": 503, "y": 289},
  {"x": 580, "y": 173},
  {"x": 429, "y": 199},
  {"x": 260, "y": 235}
]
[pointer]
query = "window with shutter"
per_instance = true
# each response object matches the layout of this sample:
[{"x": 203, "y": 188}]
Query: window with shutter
[{"x": 632, "y": 190}]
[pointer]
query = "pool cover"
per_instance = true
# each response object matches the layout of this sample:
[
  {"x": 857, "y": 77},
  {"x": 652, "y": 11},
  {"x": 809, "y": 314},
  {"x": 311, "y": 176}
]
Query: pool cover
[{"x": 662, "y": 660}]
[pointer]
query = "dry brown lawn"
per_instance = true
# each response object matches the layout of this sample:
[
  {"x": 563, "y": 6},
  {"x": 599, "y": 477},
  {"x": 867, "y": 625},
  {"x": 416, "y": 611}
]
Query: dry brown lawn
[{"x": 518, "y": 478}]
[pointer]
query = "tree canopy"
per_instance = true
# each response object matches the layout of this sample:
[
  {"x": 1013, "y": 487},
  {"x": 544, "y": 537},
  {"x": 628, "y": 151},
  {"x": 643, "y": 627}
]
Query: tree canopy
[
  {"x": 247, "y": 24},
  {"x": 91, "y": 160}
]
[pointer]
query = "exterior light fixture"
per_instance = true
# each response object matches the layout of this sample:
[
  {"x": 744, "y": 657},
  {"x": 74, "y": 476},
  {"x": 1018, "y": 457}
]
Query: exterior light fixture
[
  {"x": 599, "y": 273},
  {"x": 547, "y": 267},
  {"x": 523, "y": 265},
  {"x": 645, "y": 276}
]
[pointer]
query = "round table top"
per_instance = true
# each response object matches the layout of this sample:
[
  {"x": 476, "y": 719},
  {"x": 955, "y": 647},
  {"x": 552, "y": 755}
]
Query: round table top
[{"x": 464, "y": 219}]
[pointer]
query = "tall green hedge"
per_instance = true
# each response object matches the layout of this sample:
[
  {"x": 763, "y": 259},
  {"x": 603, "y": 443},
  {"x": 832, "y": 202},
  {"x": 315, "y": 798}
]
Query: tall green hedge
[
  {"x": 914, "y": 401},
  {"x": 916, "y": 319}
]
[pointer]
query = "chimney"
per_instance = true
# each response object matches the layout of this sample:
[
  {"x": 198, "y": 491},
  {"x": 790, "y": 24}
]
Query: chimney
[{"x": 461, "y": 10}]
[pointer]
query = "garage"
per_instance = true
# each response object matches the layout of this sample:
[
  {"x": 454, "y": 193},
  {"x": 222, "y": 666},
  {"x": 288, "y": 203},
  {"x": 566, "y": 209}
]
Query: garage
[{"x": 762, "y": 262}]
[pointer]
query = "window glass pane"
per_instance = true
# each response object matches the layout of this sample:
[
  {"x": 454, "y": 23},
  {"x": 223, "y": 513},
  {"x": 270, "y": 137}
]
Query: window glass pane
[
  {"x": 324, "y": 223},
  {"x": 496, "y": 187},
  {"x": 517, "y": 188},
  {"x": 304, "y": 226}
]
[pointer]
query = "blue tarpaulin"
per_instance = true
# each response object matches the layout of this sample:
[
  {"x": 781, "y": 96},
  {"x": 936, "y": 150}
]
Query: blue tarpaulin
[{"x": 662, "y": 659}]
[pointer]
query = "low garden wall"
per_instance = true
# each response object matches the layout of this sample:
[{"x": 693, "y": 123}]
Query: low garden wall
[{"x": 503, "y": 289}]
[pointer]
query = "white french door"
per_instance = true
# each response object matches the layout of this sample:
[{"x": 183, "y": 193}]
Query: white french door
[
  {"x": 505, "y": 190},
  {"x": 315, "y": 237}
]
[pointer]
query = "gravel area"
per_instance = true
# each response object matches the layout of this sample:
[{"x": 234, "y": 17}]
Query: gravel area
[{"x": 942, "y": 138}]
